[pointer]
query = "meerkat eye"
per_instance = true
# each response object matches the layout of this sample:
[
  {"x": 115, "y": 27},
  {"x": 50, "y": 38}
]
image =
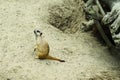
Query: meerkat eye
[{"x": 38, "y": 31}]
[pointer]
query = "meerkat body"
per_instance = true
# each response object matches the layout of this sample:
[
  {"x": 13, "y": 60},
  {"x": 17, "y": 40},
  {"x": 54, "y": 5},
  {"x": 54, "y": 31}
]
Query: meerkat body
[{"x": 42, "y": 48}]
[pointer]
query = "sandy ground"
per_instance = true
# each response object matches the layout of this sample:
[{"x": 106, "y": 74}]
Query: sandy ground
[{"x": 86, "y": 58}]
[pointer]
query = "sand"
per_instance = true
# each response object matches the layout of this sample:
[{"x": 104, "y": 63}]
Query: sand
[{"x": 86, "y": 58}]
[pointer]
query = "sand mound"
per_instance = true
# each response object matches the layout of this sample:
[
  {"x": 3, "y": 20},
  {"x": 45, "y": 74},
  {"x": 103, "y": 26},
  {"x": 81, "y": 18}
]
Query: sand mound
[{"x": 67, "y": 16}]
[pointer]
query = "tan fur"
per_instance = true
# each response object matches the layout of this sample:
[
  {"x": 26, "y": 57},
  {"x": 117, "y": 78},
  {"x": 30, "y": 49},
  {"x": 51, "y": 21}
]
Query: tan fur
[{"x": 41, "y": 50}]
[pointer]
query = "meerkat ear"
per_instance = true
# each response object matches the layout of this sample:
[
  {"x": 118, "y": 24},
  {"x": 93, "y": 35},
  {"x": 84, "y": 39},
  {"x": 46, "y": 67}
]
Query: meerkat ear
[{"x": 41, "y": 33}]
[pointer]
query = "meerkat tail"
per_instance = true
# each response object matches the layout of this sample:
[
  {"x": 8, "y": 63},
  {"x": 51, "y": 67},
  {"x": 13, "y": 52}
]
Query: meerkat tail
[{"x": 53, "y": 58}]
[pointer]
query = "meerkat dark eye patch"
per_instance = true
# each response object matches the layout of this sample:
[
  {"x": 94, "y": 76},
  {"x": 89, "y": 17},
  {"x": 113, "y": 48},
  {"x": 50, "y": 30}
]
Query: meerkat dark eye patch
[
  {"x": 38, "y": 31},
  {"x": 35, "y": 31}
]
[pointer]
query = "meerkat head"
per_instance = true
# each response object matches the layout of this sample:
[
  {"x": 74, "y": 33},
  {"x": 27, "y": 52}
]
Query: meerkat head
[{"x": 37, "y": 32}]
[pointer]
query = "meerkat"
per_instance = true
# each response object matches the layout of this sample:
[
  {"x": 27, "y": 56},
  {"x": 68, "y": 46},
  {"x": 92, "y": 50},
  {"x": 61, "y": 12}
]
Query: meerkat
[{"x": 41, "y": 50}]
